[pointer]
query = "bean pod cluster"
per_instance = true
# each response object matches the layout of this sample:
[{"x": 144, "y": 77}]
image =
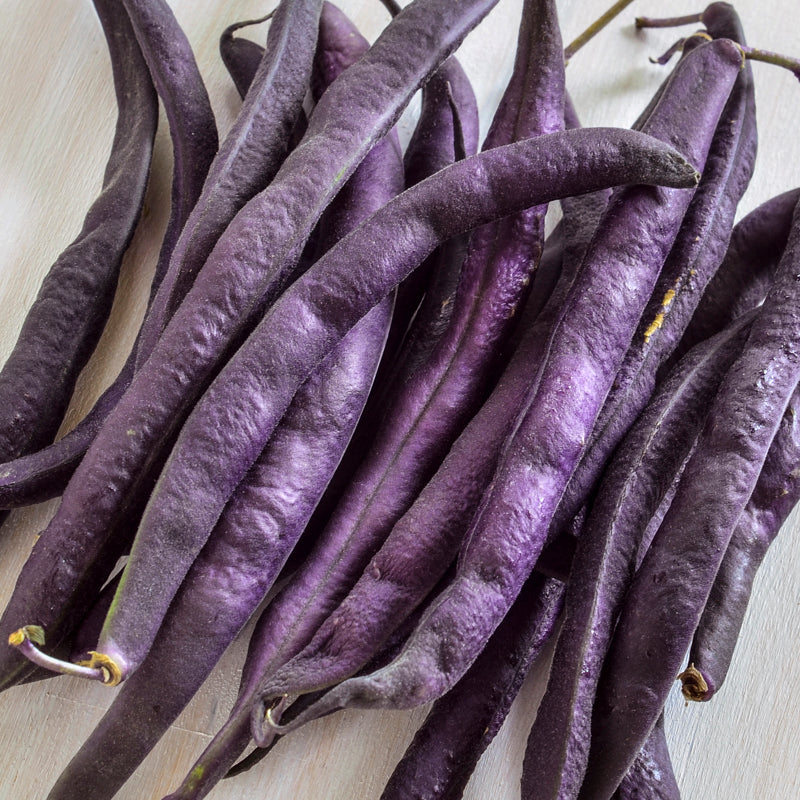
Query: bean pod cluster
[{"x": 426, "y": 408}]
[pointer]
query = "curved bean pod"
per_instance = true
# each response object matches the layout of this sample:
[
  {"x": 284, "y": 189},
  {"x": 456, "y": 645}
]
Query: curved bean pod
[
  {"x": 64, "y": 323},
  {"x": 776, "y": 493},
  {"x": 698, "y": 250},
  {"x": 235, "y": 570},
  {"x": 461, "y": 724},
  {"x": 418, "y": 428},
  {"x": 193, "y": 129},
  {"x": 58, "y": 334},
  {"x": 170, "y": 60}
]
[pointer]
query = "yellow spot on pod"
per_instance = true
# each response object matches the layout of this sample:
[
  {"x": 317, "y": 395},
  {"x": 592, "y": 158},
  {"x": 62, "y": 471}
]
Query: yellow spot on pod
[
  {"x": 669, "y": 296},
  {"x": 654, "y": 326}
]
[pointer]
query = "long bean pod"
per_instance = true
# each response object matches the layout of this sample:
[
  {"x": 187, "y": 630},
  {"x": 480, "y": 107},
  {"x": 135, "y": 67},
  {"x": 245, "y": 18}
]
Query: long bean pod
[
  {"x": 63, "y": 325},
  {"x": 233, "y": 573},
  {"x": 193, "y": 129},
  {"x": 698, "y": 250},
  {"x": 461, "y": 724},
  {"x": 176, "y": 77},
  {"x": 776, "y": 493},
  {"x": 58, "y": 323}
]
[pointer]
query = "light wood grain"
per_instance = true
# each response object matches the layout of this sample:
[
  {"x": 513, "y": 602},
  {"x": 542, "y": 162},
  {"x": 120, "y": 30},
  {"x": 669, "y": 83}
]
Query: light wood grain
[{"x": 56, "y": 122}]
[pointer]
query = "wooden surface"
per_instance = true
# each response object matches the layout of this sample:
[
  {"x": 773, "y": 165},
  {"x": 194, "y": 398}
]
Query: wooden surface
[{"x": 56, "y": 121}]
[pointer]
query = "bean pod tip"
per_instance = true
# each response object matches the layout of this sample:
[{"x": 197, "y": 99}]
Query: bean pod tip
[{"x": 693, "y": 684}]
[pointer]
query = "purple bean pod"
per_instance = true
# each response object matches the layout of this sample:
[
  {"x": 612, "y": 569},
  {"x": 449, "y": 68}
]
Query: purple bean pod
[
  {"x": 193, "y": 130},
  {"x": 169, "y": 58},
  {"x": 177, "y": 80},
  {"x": 106, "y": 232},
  {"x": 461, "y": 724},
  {"x": 640, "y": 474},
  {"x": 261, "y": 247},
  {"x": 669, "y": 591},
  {"x": 776, "y": 493},
  {"x": 65, "y": 321},
  {"x": 698, "y": 251},
  {"x": 236, "y": 569},
  {"x": 585, "y": 351}
]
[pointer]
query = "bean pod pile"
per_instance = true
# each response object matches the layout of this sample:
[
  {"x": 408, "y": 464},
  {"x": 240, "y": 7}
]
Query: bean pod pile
[{"x": 384, "y": 426}]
